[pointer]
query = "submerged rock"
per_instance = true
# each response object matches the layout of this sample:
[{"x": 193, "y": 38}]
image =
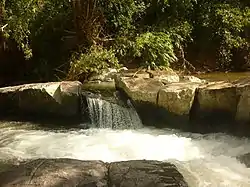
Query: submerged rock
[
  {"x": 52, "y": 98},
  {"x": 69, "y": 172},
  {"x": 245, "y": 159}
]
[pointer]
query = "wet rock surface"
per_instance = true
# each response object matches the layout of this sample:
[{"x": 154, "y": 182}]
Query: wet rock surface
[{"x": 71, "y": 173}]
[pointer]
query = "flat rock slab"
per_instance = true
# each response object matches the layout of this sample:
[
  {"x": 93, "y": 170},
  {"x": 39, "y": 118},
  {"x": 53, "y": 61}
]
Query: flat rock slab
[
  {"x": 56, "y": 173},
  {"x": 72, "y": 173},
  {"x": 140, "y": 89},
  {"x": 51, "y": 98},
  {"x": 141, "y": 173}
]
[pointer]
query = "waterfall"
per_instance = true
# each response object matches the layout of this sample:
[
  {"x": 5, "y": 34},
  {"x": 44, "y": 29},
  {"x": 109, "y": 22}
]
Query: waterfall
[{"x": 105, "y": 114}]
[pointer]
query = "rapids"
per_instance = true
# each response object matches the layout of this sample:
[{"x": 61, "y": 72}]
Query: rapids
[
  {"x": 115, "y": 133},
  {"x": 204, "y": 160}
]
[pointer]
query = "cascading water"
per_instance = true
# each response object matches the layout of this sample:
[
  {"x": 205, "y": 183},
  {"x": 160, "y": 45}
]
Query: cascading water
[
  {"x": 105, "y": 114},
  {"x": 204, "y": 160}
]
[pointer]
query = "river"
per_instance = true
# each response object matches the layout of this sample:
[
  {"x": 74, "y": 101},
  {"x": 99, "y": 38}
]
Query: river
[
  {"x": 221, "y": 76},
  {"x": 204, "y": 160}
]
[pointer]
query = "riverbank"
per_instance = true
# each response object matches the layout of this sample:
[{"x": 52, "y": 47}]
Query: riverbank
[{"x": 182, "y": 102}]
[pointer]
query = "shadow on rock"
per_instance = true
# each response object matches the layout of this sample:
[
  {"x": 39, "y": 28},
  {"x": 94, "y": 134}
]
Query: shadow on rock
[
  {"x": 72, "y": 173},
  {"x": 56, "y": 173},
  {"x": 142, "y": 173}
]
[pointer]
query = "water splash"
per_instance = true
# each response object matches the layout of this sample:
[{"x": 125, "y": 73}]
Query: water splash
[
  {"x": 105, "y": 114},
  {"x": 205, "y": 161}
]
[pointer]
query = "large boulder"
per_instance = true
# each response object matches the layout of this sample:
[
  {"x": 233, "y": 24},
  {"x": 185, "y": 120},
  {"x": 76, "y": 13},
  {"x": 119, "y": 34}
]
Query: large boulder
[
  {"x": 71, "y": 173},
  {"x": 56, "y": 173},
  {"x": 245, "y": 159},
  {"x": 176, "y": 101},
  {"x": 222, "y": 107},
  {"x": 202, "y": 106},
  {"x": 159, "y": 101},
  {"x": 142, "y": 173},
  {"x": 140, "y": 89},
  {"x": 144, "y": 86},
  {"x": 177, "y": 98},
  {"x": 143, "y": 93},
  {"x": 215, "y": 101},
  {"x": 243, "y": 107},
  {"x": 52, "y": 98}
]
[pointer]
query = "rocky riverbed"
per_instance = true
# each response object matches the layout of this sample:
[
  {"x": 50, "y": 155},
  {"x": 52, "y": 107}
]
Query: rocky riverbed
[{"x": 187, "y": 102}]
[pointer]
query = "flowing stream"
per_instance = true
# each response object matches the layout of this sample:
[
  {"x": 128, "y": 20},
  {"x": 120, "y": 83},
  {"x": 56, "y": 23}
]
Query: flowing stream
[
  {"x": 104, "y": 114},
  {"x": 204, "y": 160}
]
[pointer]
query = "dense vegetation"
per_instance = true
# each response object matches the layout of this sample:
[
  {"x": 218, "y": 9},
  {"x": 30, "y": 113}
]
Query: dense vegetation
[{"x": 42, "y": 40}]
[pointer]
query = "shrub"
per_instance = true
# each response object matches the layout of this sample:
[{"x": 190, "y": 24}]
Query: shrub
[
  {"x": 92, "y": 62},
  {"x": 151, "y": 48}
]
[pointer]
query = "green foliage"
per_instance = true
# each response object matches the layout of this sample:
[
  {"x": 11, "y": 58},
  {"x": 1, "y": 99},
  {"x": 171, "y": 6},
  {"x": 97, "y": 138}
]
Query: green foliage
[
  {"x": 121, "y": 15},
  {"x": 152, "y": 48},
  {"x": 155, "y": 49},
  {"x": 145, "y": 32},
  {"x": 18, "y": 15},
  {"x": 49, "y": 33},
  {"x": 223, "y": 27},
  {"x": 91, "y": 63}
]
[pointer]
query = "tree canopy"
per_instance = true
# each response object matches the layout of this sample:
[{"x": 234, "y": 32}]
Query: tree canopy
[{"x": 72, "y": 39}]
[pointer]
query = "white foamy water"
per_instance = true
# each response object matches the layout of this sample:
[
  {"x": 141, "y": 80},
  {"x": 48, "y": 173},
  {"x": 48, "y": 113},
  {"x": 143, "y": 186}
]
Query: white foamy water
[
  {"x": 105, "y": 114},
  {"x": 203, "y": 160}
]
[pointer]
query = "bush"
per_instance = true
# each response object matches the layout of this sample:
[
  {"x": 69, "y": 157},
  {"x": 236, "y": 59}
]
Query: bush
[
  {"x": 153, "y": 49},
  {"x": 91, "y": 63},
  {"x": 220, "y": 30}
]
